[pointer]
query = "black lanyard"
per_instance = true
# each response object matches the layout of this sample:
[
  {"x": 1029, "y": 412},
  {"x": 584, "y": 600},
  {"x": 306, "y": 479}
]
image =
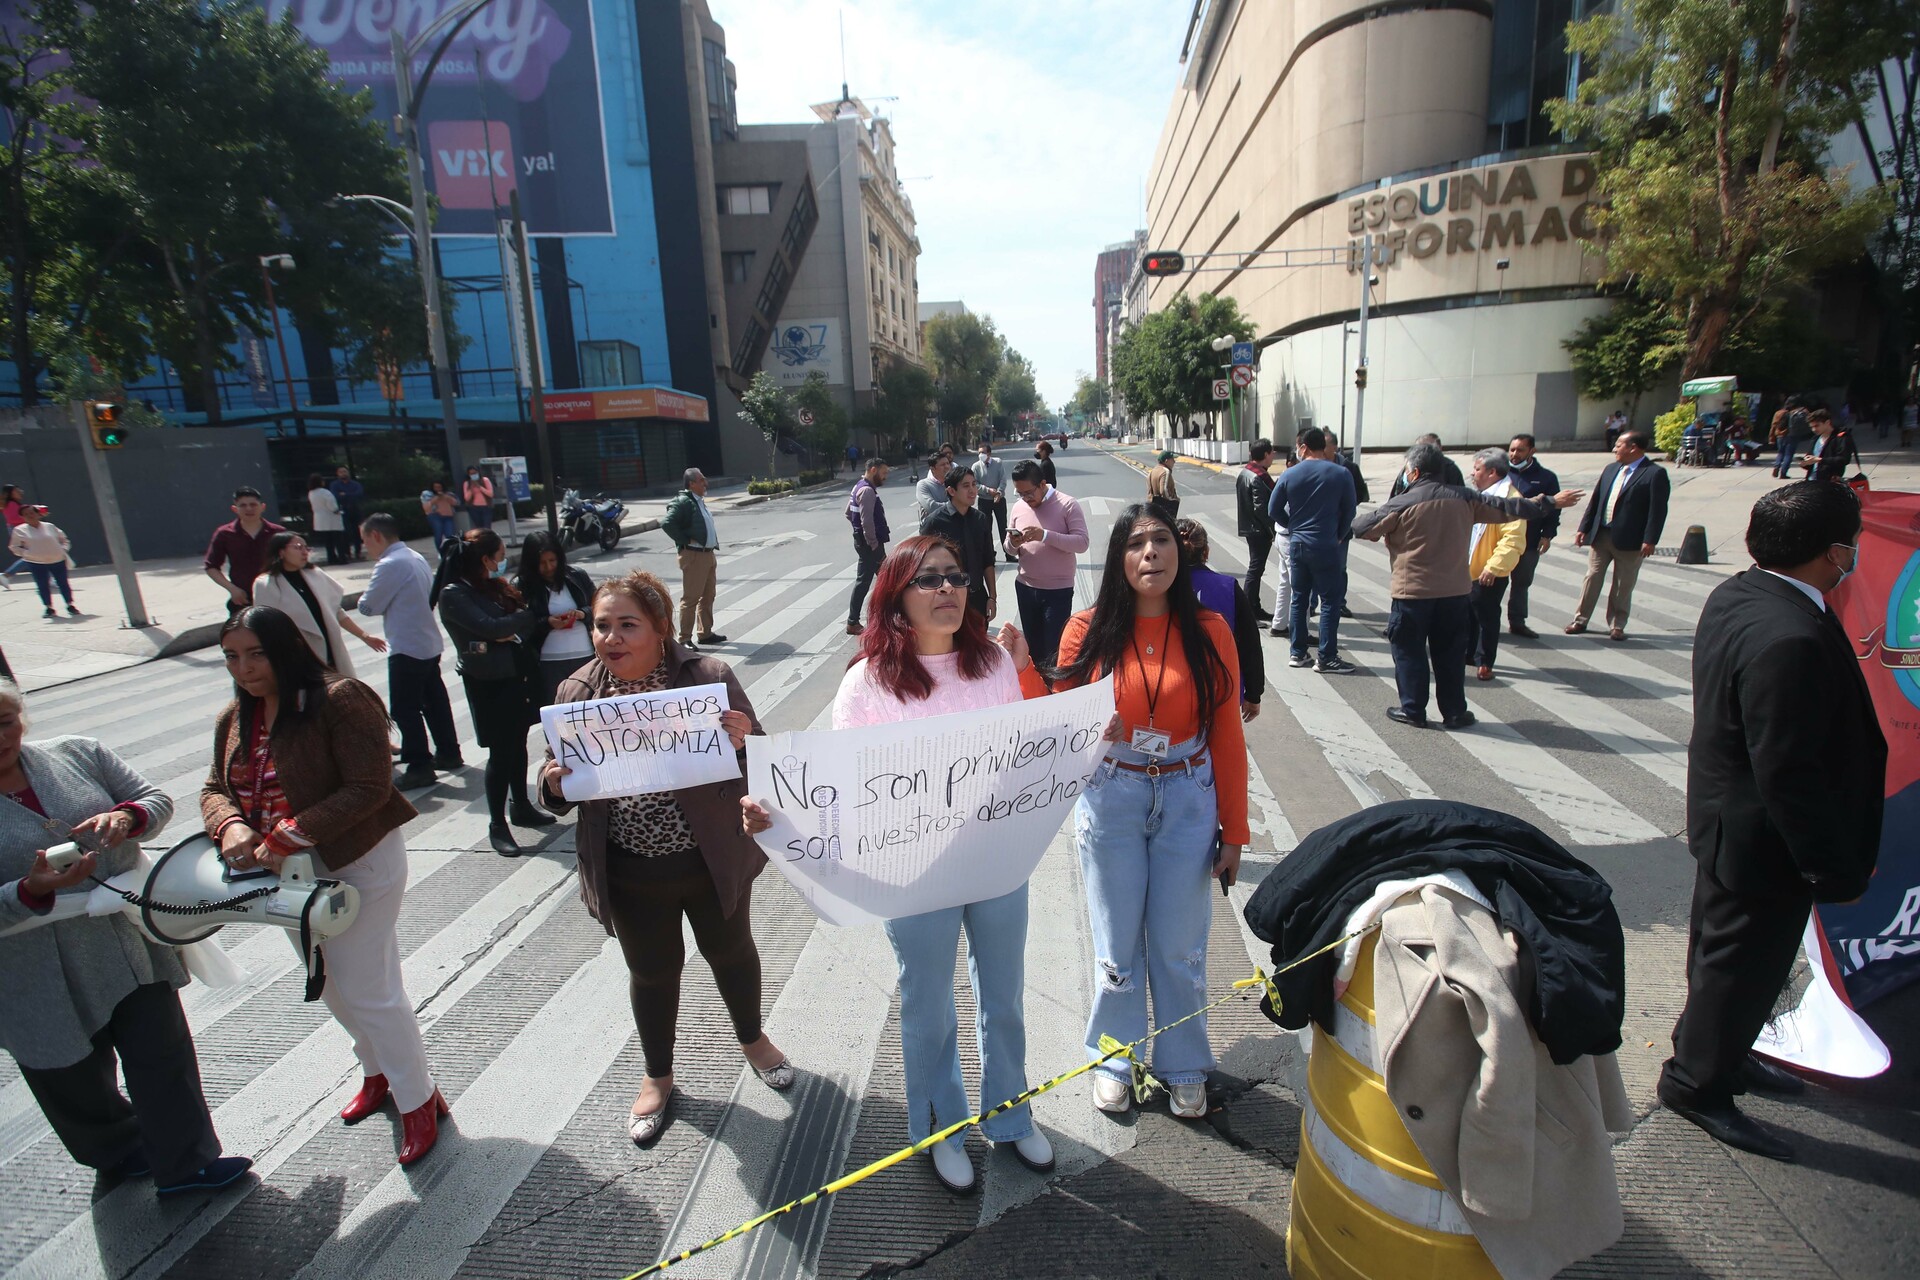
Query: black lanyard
[{"x": 1153, "y": 699}]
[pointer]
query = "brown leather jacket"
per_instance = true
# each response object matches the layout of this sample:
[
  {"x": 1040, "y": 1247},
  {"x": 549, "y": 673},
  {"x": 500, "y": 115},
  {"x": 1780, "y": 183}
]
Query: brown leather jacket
[
  {"x": 713, "y": 810},
  {"x": 334, "y": 765}
]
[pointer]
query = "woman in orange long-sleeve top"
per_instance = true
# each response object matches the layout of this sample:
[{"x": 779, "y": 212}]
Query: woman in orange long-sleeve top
[{"x": 1167, "y": 809}]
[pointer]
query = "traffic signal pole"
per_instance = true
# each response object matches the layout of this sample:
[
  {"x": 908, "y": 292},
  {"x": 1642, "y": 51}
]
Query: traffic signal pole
[
  {"x": 1360, "y": 369},
  {"x": 100, "y": 476}
]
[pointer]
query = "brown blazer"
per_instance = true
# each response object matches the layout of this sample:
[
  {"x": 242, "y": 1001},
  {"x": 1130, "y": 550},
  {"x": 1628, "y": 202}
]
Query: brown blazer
[
  {"x": 334, "y": 765},
  {"x": 713, "y": 810}
]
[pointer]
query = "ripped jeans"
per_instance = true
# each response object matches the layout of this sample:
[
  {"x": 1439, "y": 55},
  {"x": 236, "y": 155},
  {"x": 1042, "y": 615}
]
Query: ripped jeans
[{"x": 1146, "y": 852}]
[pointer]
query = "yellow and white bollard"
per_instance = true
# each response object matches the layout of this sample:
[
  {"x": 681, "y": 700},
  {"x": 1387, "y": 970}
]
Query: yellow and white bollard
[{"x": 1366, "y": 1206}]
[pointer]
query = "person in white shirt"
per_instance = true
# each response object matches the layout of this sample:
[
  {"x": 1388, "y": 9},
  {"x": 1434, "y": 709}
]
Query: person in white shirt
[
  {"x": 562, "y": 596},
  {"x": 43, "y": 546}
]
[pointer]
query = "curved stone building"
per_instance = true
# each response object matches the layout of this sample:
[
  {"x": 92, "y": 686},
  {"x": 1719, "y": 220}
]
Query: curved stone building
[{"x": 1301, "y": 128}]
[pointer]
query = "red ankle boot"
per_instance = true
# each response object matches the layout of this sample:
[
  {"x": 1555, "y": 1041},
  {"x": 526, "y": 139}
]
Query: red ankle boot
[
  {"x": 420, "y": 1128},
  {"x": 373, "y": 1092}
]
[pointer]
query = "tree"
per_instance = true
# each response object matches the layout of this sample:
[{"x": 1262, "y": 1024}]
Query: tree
[
  {"x": 1090, "y": 399},
  {"x": 225, "y": 139},
  {"x": 966, "y": 351},
  {"x": 902, "y": 399},
  {"x": 1013, "y": 390},
  {"x": 1620, "y": 353},
  {"x": 1166, "y": 364},
  {"x": 766, "y": 407},
  {"x": 1708, "y": 119},
  {"x": 827, "y": 433}
]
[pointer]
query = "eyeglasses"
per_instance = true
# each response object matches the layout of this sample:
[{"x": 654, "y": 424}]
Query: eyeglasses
[{"x": 934, "y": 581}]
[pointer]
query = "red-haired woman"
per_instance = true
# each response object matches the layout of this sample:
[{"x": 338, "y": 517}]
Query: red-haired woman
[
  {"x": 489, "y": 621},
  {"x": 924, "y": 653}
]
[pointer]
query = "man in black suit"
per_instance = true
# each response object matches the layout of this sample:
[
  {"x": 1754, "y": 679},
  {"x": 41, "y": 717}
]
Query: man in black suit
[
  {"x": 1253, "y": 489},
  {"x": 1530, "y": 479},
  {"x": 1621, "y": 526},
  {"x": 1785, "y": 778}
]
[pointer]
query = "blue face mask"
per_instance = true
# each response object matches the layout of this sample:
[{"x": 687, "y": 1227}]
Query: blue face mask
[
  {"x": 1851, "y": 564},
  {"x": 498, "y": 571}
]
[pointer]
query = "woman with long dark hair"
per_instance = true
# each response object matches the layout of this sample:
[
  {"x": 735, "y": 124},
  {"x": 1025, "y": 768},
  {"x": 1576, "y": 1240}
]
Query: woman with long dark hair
[
  {"x": 1165, "y": 811},
  {"x": 300, "y": 765},
  {"x": 488, "y": 621},
  {"x": 654, "y": 865},
  {"x": 305, "y": 592},
  {"x": 561, "y": 598},
  {"x": 925, "y": 653}
]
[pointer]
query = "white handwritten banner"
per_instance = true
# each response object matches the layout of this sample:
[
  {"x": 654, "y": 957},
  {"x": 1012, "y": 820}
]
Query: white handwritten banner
[
  {"x": 890, "y": 821},
  {"x": 641, "y": 743}
]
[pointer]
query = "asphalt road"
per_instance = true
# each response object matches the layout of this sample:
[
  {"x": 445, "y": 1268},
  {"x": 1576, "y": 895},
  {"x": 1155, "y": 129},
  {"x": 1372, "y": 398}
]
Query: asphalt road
[{"x": 524, "y": 1000}]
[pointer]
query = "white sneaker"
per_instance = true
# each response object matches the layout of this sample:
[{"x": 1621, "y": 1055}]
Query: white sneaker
[
  {"x": 951, "y": 1166},
  {"x": 1112, "y": 1095},
  {"x": 1188, "y": 1101},
  {"x": 1033, "y": 1151}
]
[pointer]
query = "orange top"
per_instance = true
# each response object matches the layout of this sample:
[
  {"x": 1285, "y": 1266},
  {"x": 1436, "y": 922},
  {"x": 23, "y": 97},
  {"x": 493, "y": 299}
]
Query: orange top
[{"x": 1176, "y": 709}]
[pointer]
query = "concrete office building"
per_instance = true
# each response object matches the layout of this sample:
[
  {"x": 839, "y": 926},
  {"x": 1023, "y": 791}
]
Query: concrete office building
[
  {"x": 1110, "y": 273},
  {"x": 853, "y": 301},
  {"x": 1299, "y": 129}
]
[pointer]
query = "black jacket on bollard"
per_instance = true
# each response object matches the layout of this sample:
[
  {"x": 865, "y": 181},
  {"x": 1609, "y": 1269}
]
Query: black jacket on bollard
[
  {"x": 1559, "y": 907},
  {"x": 1787, "y": 769}
]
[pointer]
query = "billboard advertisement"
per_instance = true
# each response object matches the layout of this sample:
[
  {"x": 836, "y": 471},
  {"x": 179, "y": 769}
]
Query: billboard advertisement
[{"x": 513, "y": 105}]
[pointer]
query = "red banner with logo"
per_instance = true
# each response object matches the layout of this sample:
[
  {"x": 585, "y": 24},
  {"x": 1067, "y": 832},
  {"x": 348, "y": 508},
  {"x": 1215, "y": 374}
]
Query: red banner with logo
[{"x": 1874, "y": 943}]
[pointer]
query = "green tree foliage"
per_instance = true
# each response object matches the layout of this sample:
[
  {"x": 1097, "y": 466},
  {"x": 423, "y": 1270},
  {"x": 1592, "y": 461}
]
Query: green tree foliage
[
  {"x": 1013, "y": 390},
  {"x": 1621, "y": 353},
  {"x": 224, "y": 139},
  {"x": 903, "y": 399},
  {"x": 827, "y": 434},
  {"x": 766, "y": 407},
  {"x": 965, "y": 352},
  {"x": 1166, "y": 364},
  {"x": 1090, "y": 399},
  {"x": 1708, "y": 142}
]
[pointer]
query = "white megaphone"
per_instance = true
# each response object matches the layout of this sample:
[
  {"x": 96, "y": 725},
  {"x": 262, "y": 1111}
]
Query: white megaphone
[{"x": 189, "y": 892}]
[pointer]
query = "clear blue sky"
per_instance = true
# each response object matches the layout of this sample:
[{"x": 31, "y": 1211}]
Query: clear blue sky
[{"x": 1024, "y": 129}]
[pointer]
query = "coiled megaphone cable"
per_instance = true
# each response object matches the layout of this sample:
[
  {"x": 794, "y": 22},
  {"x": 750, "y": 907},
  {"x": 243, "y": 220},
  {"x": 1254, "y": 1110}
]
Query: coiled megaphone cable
[{"x": 197, "y": 909}]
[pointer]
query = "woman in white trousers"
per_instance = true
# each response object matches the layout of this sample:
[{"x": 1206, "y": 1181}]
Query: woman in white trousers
[{"x": 301, "y": 767}]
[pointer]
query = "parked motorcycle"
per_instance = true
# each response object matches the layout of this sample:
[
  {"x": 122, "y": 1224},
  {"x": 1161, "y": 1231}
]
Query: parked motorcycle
[{"x": 585, "y": 521}]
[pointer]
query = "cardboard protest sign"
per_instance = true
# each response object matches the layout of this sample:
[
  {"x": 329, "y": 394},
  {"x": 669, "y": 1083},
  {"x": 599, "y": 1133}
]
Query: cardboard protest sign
[
  {"x": 893, "y": 820},
  {"x": 641, "y": 743}
]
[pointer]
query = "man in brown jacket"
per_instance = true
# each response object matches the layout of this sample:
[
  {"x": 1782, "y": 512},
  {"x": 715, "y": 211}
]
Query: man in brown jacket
[{"x": 1428, "y": 530}]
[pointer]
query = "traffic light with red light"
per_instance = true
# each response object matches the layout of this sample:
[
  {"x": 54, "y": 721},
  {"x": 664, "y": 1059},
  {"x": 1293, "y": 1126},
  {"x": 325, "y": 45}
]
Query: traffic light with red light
[
  {"x": 1164, "y": 264},
  {"x": 104, "y": 418}
]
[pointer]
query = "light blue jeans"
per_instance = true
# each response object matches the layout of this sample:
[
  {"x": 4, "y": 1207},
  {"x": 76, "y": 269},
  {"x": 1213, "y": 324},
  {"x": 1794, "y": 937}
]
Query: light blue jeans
[
  {"x": 930, "y": 1028},
  {"x": 1146, "y": 850}
]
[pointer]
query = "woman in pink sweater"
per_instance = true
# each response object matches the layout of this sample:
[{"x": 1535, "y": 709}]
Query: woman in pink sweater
[{"x": 924, "y": 653}]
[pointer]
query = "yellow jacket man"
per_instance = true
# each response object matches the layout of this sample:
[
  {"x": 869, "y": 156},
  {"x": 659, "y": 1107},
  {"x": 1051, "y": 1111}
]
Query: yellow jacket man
[{"x": 1494, "y": 552}]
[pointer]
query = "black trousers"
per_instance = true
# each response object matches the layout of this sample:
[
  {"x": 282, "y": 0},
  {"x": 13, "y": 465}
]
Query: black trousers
[
  {"x": 1740, "y": 949},
  {"x": 167, "y": 1118},
  {"x": 998, "y": 509},
  {"x": 1429, "y": 639},
  {"x": 1483, "y": 622},
  {"x": 417, "y": 700},
  {"x": 1522, "y": 580},
  {"x": 869, "y": 558},
  {"x": 645, "y": 914},
  {"x": 1258, "y": 547}
]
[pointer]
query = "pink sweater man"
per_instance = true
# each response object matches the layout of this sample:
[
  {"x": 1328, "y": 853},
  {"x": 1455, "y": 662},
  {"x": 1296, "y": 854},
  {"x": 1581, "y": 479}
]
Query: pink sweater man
[{"x": 1047, "y": 532}]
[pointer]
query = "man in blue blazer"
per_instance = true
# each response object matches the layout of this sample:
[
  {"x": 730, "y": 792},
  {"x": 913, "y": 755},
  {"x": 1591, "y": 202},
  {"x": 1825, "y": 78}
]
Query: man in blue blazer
[
  {"x": 1621, "y": 527},
  {"x": 1786, "y": 776}
]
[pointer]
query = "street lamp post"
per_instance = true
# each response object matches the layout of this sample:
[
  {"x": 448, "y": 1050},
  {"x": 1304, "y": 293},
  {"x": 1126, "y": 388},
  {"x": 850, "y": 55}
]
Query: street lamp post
[
  {"x": 284, "y": 261},
  {"x": 407, "y": 124},
  {"x": 1346, "y": 331},
  {"x": 1360, "y": 369},
  {"x": 1225, "y": 343}
]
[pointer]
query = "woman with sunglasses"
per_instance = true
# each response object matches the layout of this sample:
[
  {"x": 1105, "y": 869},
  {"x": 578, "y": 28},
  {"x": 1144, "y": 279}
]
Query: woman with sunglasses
[
  {"x": 305, "y": 592},
  {"x": 925, "y": 653},
  {"x": 1165, "y": 811}
]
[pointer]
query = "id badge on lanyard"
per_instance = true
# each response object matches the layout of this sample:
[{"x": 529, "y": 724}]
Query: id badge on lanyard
[{"x": 1151, "y": 742}]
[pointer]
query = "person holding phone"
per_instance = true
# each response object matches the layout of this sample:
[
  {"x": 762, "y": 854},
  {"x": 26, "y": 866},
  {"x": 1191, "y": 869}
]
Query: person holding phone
[{"x": 1164, "y": 811}]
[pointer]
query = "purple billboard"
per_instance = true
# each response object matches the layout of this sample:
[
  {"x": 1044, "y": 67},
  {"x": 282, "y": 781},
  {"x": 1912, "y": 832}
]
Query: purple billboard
[{"x": 514, "y": 105}]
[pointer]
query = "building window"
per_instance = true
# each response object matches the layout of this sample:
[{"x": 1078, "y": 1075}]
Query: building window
[
  {"x": 747, "y": 353},
  {"x": 799, "y": 222},
  {"x": 745, "y": 200},
  {"x": 737, "y": 266},
  {"x": 774, "y": 290},
  {"x": 716, "y": 67},
  {"x": 609, "y": 364}
]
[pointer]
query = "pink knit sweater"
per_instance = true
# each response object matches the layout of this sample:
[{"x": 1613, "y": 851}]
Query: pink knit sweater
[{"x": 861, "y": 700}]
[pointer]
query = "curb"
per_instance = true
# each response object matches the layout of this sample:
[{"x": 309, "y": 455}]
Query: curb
[{"x": 755, "y": 499}]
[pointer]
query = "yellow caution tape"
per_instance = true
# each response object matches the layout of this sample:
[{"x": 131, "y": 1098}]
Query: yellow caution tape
[{"x": 1143, "y": 1086}]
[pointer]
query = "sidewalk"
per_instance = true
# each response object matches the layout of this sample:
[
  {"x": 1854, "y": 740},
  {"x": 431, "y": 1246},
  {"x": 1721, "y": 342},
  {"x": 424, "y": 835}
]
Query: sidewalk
[
  {"x": 1718, "y": 499},
  {"x": 188, "y": 610}
]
